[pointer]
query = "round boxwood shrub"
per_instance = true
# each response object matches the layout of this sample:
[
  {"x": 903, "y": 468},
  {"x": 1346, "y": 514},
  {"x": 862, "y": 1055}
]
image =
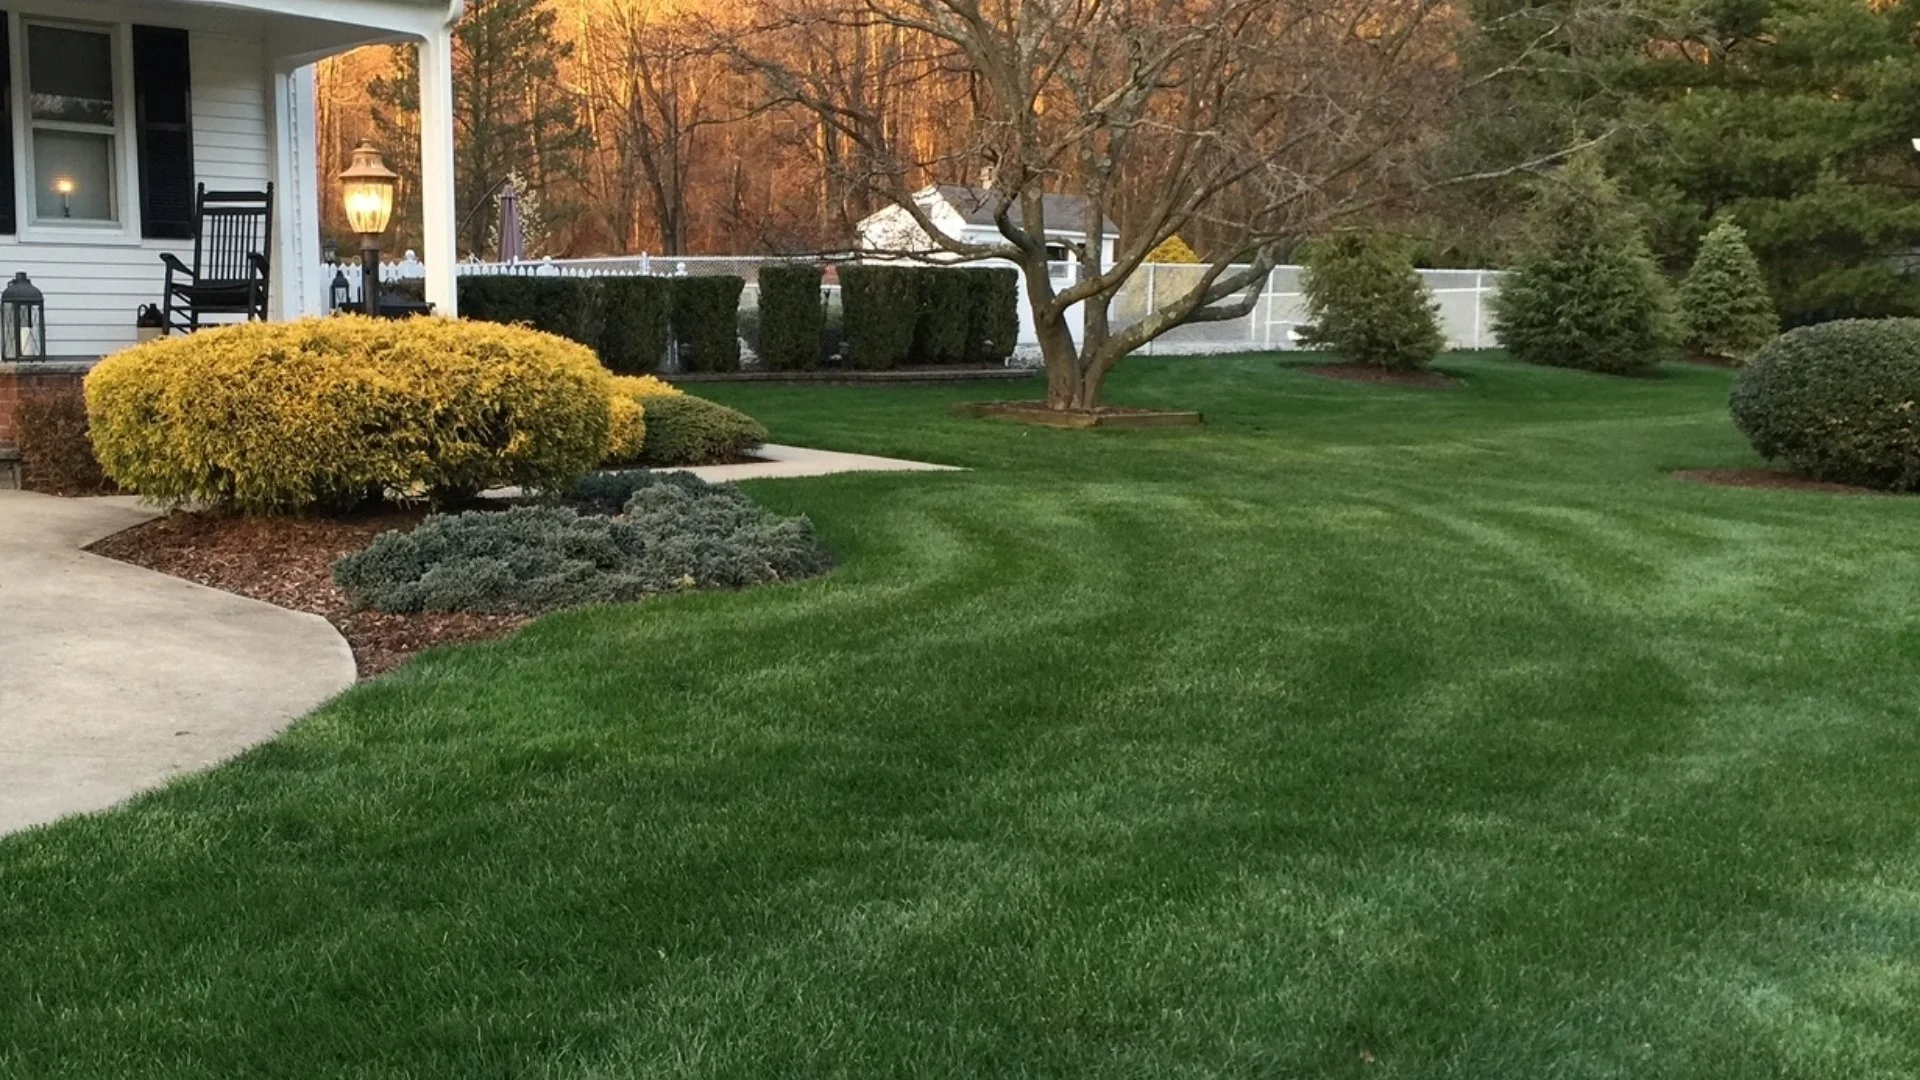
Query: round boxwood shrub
[
  {"x": 1839, "y": 401},
  {"x": 629, "y": 394},
  {"x": 671, "y": 535},
  {"x": 687, "y": 430},
  {"x": 283, "y": 417}
]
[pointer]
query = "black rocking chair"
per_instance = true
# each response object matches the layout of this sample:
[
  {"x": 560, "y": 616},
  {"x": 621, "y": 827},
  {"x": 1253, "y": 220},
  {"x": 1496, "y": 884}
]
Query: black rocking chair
[{"x": 231, "y": 232}]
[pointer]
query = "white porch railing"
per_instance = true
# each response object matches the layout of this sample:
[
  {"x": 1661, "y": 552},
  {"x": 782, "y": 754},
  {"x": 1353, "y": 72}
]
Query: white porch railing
[{"x": 1463, "y": 297}]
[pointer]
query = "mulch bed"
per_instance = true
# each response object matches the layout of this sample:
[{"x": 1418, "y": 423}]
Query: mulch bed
[
  {"x": 1362, "y": 373},
  {"x": 289, "y": 562},
  {"x": 1778, "y": 479}
]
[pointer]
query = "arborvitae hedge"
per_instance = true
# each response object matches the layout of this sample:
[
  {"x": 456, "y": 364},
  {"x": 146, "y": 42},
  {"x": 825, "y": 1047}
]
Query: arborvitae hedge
[
  {"x": 929, "y": 314},
  {"x": 706, "y": 322},
  {"x": 993, "y": 313},
  {"x": 941, "y": 335},
  {"x": 791, "y": 317},
  {"x": 635, "y": 320},
  {"x": 882, "y": 306},
  {"x": 567, "y": 306}
]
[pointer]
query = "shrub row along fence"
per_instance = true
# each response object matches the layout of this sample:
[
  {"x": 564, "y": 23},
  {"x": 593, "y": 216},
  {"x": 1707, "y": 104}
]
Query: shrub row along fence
[
  {"x": 929, "y": 315},
  {"x": 632, "y": 322}
]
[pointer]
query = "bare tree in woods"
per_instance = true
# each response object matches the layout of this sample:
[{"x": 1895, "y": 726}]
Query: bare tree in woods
[
  {"x": 1255, "y": 123},
  {"x": 655, "y": 91}
]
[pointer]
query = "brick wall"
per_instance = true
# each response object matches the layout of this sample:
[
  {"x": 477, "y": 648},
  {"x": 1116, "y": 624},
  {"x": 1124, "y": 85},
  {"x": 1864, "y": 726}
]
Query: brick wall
[{"x": 23, "y": 377}]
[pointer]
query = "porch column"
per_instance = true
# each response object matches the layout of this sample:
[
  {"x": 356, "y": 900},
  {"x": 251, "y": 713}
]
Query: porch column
[
  {"x": 296, "y": 289},
  {"x": 437, "y": 197}
]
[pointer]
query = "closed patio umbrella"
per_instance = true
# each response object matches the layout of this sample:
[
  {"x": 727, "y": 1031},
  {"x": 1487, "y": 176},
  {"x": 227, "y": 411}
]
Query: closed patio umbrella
[{"x": 513, "y": 241}]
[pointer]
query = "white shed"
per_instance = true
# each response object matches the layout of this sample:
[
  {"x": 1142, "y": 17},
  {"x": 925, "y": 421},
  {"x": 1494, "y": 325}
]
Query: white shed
[{"x": 967, "y": 214}]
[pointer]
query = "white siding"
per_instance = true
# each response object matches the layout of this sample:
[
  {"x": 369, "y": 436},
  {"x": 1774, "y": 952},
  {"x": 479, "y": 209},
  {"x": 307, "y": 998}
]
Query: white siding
[{"x": 93, "y": 290}]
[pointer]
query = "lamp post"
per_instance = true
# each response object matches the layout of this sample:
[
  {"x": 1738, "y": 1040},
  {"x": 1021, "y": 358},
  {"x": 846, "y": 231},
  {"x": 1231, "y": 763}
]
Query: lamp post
[{"x": 367, "y": 189}]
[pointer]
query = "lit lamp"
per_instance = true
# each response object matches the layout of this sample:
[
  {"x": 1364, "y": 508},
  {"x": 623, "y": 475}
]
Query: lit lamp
[
  {"x": 23, "y": 320},
  {"x": 367, "y": 188},
  {"x": 63, "y": 186}
]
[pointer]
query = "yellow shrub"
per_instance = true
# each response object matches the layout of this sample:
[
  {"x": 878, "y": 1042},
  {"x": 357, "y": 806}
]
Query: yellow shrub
[
  {"x": 269, "y": 417},
  {"x": 1173, "y": 250},
  {"x": 629, "y": 414}
]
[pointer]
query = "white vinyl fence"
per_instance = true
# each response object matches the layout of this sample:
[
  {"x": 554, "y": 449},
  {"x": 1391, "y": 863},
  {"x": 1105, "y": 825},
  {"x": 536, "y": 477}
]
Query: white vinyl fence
[{"x": 1463, "y": 297}]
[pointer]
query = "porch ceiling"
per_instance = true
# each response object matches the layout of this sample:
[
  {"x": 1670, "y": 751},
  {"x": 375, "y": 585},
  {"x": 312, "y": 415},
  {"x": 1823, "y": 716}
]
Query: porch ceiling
[{"x": 302, "y": 31}]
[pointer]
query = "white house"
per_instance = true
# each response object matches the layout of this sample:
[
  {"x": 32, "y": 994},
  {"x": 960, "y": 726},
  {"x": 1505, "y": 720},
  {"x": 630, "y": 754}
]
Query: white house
[
  {"x": 967, "y": 214},
  {"x": 119, "y": 108}
]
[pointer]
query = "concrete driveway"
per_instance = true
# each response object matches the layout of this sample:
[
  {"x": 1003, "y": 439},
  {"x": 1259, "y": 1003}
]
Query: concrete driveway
[{"x": 114, "y": 678}]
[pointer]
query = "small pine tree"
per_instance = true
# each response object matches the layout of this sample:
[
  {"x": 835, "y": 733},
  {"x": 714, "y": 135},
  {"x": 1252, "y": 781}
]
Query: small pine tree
[
  {"x": 1368, "y": 304},
  {"x": 1173, "y": 250},
  {"x": 1724, "y": 300},
  {"x": 1587, "y": 294}
]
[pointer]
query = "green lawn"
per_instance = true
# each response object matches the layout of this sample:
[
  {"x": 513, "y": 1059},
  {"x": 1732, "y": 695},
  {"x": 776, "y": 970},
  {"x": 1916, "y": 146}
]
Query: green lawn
[{"x": 1361, "y": 733}]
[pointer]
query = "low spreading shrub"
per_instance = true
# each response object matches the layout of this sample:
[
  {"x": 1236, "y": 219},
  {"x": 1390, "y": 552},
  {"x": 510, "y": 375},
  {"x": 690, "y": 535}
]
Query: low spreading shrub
[
  {"x": 706, "y": 322},
  {"x": 609, "y": 492},
  {"x": 1724, "y": 301},
  {"x": 1587, "y": 293},
  {"x": 1367, "y": 303},
  {"x": 635, "y": 320},
  {"x": 1839, "y": 401},
  {"x": 673, "y": 535},
  {"x": 628, "y": 397},
  {"x": 50, "y": 424},
  {"x": 687, "y": 430},
  {"x": 273, "y": 417},
  {"x": 881, "y": 306},
  {"x": 993, "y": 313},
  {"x": 790, "y": 317}
]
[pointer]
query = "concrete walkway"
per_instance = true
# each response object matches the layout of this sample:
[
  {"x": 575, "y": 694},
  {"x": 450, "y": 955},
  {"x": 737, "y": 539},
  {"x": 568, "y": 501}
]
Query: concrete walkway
[
  {"x": 791, "y": 461},
  {"x": 114, "y": 678}
]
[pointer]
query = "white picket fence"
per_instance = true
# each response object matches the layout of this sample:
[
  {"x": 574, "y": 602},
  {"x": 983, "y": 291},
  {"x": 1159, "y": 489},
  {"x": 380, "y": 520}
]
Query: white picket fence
[{"x": 1462, "y": 296}]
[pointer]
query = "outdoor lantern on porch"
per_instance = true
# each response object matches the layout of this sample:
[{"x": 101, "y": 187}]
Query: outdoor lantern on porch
[
  {"x": 367, "y": 187},
  {"x": 23, "y": 320}
]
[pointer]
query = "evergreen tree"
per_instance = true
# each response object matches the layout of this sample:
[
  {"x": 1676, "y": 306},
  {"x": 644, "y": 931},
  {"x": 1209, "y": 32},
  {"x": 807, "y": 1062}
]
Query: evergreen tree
[
  {"x": 1587, "y": 293},
  {"x": 512, "y": 112},
  {"x": 1724, "y": 300},
  {"x": 1368, "y": 303}
]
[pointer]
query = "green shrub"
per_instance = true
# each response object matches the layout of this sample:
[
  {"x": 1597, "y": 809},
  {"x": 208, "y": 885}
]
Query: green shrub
[
  {"x": 1839, "y": 401},
  {"x": 636, "y": 314},
  {"x": 993, "y": 313},
  {"x": 672, "y": 536},
  {"x": 791, "y": 318},
  {"x": 706, "y": 321},
  {"x": 609, "y": 492},
  {"x": 881, "y": 311},
  {"x": 1724, "y": 301},
  {"x": 50, "y": 424},
  {"x": 1587, "y": 293},
  {"x": 1367, "y": 303},
  {"x": 567, "y": 306},
  {"x": 688, "y": 430},
  {"x": 940, "y": 336},
  {"x": 268, "y": 417}
]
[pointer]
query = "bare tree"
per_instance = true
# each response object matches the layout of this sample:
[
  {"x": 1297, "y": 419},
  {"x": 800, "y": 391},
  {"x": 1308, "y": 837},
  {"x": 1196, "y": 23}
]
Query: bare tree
[{"x": 1249, "y": 123}]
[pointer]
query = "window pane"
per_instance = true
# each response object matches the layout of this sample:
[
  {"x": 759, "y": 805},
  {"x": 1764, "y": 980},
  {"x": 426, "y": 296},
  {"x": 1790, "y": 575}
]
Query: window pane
[
  {"x": 72, "y": 73},
  {"x": 73, "y": 176}
]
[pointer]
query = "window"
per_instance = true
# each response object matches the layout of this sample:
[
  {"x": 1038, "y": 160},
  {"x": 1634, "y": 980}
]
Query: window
[{"x": 72, "y": 124}]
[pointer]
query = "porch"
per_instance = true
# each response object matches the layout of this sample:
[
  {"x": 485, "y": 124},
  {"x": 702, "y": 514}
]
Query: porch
[{"x": 118, "y": 109}]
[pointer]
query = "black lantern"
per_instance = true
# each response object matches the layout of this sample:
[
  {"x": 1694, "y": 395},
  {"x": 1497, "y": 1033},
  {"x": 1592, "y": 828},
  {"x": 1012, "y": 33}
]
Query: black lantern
[
  {"x": 340, "y": 293},
  {"x": 23, "y": 320}
]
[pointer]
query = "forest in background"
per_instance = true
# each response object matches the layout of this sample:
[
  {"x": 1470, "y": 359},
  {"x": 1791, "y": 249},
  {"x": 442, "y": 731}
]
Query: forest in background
[{"x": 641, "y": 125}]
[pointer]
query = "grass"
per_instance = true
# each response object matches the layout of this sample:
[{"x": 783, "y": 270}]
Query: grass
[{"x": 1363, "y": 733}]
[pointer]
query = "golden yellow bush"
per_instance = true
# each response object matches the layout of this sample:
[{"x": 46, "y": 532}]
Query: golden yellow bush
[
  {"x": 268, "y": 417},
  {"x": 629, "y": 414},
  {"x": 1173, "y": 250}
]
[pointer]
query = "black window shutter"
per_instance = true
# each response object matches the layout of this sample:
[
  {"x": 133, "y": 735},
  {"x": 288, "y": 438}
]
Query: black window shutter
[
  {"x": 9, "y": 215},
  {"x": 163, "y": 108}
]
